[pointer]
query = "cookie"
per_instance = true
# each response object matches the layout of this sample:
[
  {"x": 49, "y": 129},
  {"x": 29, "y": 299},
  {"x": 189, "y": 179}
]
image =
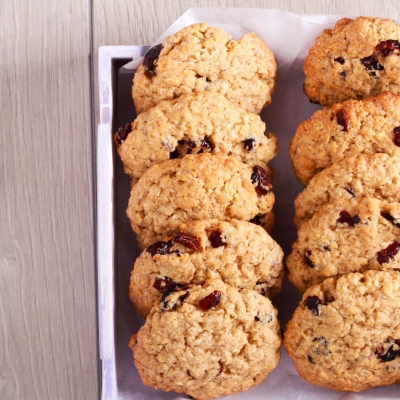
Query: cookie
[
  {"x": 344, "y": 130},
  {"x": 211, "y": 341},
  {"x": 366, "y": 175},
  {"x": 345, "y": 236},
  {"x": 345, "y": 333},
  {"x": 201, "y": 58},
  {"x": 239, "y": 253},
  {"x": 354, "y": 60},
  {"x": 193, "y": 123},
  {"x": 196, "y": 187}
]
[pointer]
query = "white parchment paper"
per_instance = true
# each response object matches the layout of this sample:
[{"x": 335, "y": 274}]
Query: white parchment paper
[{"x": 289, "y": 36}]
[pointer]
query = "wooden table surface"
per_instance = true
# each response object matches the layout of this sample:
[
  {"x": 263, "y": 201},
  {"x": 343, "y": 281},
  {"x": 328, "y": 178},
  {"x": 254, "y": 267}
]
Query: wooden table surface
[{"x": 48, "y": 333}]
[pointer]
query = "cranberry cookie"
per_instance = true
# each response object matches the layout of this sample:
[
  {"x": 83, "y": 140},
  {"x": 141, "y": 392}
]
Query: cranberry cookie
[
  {"x": 193, "y": 123},
  {"x": 366, "y": 175},
  {"x": 356, "y": 59},
  {"x": 240, "y": 253},
  {"x": 197, "y": 187},
  {"x": 346, "y": 236},
  {"x": 201, "y": 58},
  {"x": 344, "y": 130},
  {"x": 345, "y": 334},
  {"x": 208, "y": 341}
]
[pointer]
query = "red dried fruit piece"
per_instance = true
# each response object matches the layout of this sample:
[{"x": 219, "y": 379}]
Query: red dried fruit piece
[
  {"x": 391, "y": 352},
  {"x": 160, "y": 248},
  {"x": 187, "y": 240},
  {"x": 258, "y": 220},
  {"x": 151, "y": 58},
  {"x": 312, "y": 303},
  {"x": 346, "y": 218},
  {"x": 342, "y": 120},
  {"x": 249, "y": 144},
  {"x": 123, "y": 132},
  {"x": 221, "y": 368},
  {"x": 261, "y": 178},
  {"x": 387, "y": 46},
  {"x": 205, "y": 146},
  {"x": 164, "y": 283},
  {"x": 385, "y": 255},
  {"x": 210, "y": 301},
  {"x": 307, "y": 259},
  {"x": 340, "y": 60},
  {"x": 350, "y": 190},
  {"x": 215, "y": 238},
  {"x": 191, "y": 146},
  {"x": 371, "y": 64},
  {"x": 396, "y": 139},
  {"x": 391, "y": 219}
]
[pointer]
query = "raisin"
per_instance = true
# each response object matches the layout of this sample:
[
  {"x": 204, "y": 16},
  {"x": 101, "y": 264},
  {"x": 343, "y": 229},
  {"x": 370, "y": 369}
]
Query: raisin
[
  {"x": 307, "y": 260},
  {"x": 174, "y": 154},
  {"x": 221, "y": 368},
  {"x": 346, "y": 218},
  {"x": 249, "y": 144},
  {"x": 210, "y": 301},
  {"x": 385, "y": 255},
  {"x": 391, "y": 352},
  {"x": 261, "y": 178},
  {"x": 187, "y": 240},
  {"x": 258, "y": 220},
  {"x": 342, "y": 120},
  {"x": 123, "y": 132},
  {"x": 350, "y": 190},
  {"x": 387, "y": 46},
  {"x": 151, "y": 58},
  {"x": 160, "y": 248},
  {"x": 391, "y": 219},
  {"x": 340, "y": 60},
  {"x": 215, "y": 238},
  {"x": 164, "y": 283},
  {"x": 312, "y": 303},
  {"x": 396, "y": 132},
  {"x": 371, "y": 64}
]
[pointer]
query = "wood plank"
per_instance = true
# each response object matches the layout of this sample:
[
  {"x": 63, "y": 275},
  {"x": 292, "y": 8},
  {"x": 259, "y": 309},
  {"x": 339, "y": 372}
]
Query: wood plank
[{"x": 48, "y": 335}]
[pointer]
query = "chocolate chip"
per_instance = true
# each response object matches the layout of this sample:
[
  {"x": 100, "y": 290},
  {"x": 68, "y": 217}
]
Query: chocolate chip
[
  {"x": 387, "y": 46},
  {"x": 342, "y": 119},
  {"x": 391, "y": 219},
  {"x": 307, "y": 259},
  {"x": 249, "y": 144},
  {"x": 151, "y": 58},
  {"x": 210, "y": 301},
  {"x": 340, "y": 60},
  {"x": 385, "y": 255},
  {"x": 262, "y": 180},
  {"x": 192, "y": 242},
  {"x": 312, "y": 303},
  {"x": 160, "y": 248},
  {"x": 123, "y": 132},
  {"x": 396, "y": 139},
  {"x": 216, "y": 239}
]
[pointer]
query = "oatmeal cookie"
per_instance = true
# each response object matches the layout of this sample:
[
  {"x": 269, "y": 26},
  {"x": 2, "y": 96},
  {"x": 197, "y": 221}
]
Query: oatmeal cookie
[
  {"x": 239, "y": 253},
  {"x": 348, "y": 235},
  {"x": 345, "y": 334},
  {"x": 344, "y": 130},
  {"x": 201, "y": 58},
  {"x": 208, "y": 341},
  {"x": 193, "y": 123},
  {"x": 366, "y": 175},
  {"x": 196, "y": 187},
  {"x": 356, "y": 59}
]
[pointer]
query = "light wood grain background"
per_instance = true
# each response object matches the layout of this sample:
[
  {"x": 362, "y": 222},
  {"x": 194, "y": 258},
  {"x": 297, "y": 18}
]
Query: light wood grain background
[{"x": 48, "y": 54}]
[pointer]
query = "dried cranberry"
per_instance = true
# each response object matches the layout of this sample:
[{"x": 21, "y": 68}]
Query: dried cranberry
[
  {"x": 387, "y": 46},
  {"x": 371, "y": 64},
  {"x": 385, "y": 255},
  {"x": 307, "y": 260},
  {"x": 150, "y": 59},
  {"x": 312, "y": 303},
  {"x": 346, "y": 218},
  {"x": 160, "y": 248},
  {"x": 342, "y": 120},
  {"x": 191, "y": 146},
  {"x": 210, "y": 301},
  {"x": 221, "y": 368},
  {"x": 391, "y": 353},
  {"x": 350, "y": 190},
  {"x": 215, "y": 238},
  {"x": 258, "y": 220},
  {"x": 396, "y": 139},
  {"x": 187, "y": 240},
  {"x": 174, "y": 154},
  {"x": 261, "y": 178},
  {"x": 391, "y": 219},
  {"x": 164, "y": 283},
  {"x": 249, "y": 144},
  {"x": 123, "y": 132},
  {"x": 340, "y": 60},
  {"x": 206, "y": 145}
]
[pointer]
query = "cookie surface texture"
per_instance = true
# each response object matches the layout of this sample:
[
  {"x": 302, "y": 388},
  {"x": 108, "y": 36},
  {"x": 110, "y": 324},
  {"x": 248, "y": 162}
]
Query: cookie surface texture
[
  {"x": 356, "y": 59},
  {"x": 346, "y": 236},
  {"x": 196, "y": 187},
  {"x": 345, "y": 130},
  {"x": 207, "y": 352},
  {"x": 366, "y": 175},
  {"x": 201, "y": 58},
  {"x": 193, "y": 123},
  {"x": 239, "y": 253},
  {"x": 345, "y": 333}
]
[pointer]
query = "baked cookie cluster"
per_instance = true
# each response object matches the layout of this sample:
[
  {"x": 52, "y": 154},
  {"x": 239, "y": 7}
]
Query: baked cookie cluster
[
  {"x": 200, "y": 204},
  {"x": 345, "y": 334}
]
